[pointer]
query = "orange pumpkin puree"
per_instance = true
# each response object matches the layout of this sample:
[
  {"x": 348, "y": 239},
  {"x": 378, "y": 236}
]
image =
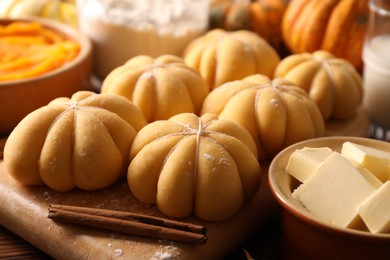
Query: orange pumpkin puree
[{"x": 28, "y": 49}]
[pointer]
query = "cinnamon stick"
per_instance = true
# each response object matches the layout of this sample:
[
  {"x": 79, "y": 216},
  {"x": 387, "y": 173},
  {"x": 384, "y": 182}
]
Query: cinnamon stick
[
  {"x": 99, "y": 220},
  {"x": 134, "y": 216}
]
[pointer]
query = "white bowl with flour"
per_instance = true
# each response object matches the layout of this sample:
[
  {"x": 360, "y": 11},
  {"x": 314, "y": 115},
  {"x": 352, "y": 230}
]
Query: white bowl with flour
[{"x": 121, "y": 29}]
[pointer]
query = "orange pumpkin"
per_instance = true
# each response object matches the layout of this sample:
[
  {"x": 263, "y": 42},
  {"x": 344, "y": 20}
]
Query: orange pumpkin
[
  {"x": 337, "y": 26},
  {"x": 263, "y": 17}
]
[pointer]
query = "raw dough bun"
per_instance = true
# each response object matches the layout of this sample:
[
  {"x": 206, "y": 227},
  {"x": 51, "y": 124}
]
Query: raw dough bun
[
  {"x": 221, "y": 56},
  {"x": 276, "y": 113},
  {"x": 188, "y": 164},
  {"x": 161, "y": 87},
  {"x": 334, "y": 84},
  {"x": 81, "y": 142}
]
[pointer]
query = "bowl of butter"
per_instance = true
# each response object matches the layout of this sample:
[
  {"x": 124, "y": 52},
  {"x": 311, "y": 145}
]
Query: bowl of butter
[{"x": 334, "y": 194}]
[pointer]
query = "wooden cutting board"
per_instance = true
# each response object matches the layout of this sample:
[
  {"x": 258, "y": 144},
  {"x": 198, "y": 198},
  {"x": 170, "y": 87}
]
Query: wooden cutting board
[
  {"x": 23, "y": 210},
  {"x": 359, "y": 125}
]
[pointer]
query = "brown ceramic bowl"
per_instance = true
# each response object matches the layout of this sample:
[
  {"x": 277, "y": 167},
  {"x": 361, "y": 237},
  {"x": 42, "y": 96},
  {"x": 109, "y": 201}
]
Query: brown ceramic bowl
[
  {"x": 20, "y": 97},
  {"x": 307, "y": 237}
]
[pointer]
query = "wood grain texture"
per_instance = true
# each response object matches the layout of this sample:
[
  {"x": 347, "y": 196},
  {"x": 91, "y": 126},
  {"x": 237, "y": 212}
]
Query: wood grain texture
[{"x": 23, "y": 210}]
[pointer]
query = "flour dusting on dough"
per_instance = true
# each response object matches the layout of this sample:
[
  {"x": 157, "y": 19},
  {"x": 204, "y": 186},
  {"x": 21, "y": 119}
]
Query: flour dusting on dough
[
  {"x": 118, "y": 252},
  {"x": 274, "y": 102},
  {"x": 224, "y": 160},
  {"x": 208, "y": 157}
]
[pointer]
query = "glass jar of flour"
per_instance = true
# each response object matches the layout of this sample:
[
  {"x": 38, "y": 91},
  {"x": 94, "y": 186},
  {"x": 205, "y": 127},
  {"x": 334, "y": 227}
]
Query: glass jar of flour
[{"x": 122, "y": 29}]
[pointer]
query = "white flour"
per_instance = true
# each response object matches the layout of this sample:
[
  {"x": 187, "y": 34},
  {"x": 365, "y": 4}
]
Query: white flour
[{"x": 123, "y": 29}]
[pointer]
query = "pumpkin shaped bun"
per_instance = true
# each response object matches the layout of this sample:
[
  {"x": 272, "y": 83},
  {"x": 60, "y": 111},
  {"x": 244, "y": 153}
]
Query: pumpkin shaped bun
[
  {"x": 333, "y": 83},
  {"x": 221, "y": 56},
  {"x": 276, "y": 113},
  {"x": 160, "y": 87},
  {"x": 205, "y": 166},
  {"x": 82, "y": 142}
]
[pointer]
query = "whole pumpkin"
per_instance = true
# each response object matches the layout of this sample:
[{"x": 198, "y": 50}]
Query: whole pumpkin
[
  {"x": 332, "y": 25},
  {"x": 263, "y": 17},
  {"x": 64, "y": 11}
]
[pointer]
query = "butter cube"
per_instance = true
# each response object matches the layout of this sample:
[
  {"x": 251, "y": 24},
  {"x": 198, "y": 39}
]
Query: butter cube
[
  {"x": 375, "y": 211},
  {"x": 375, "y": 160},
  {"x": 336, "y": 189},
  {"x": 303, "y": 162}
]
